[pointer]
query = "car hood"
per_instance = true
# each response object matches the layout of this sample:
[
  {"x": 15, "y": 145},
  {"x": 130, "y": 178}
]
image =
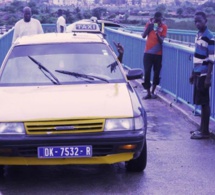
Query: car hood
[{"x": 58, "y": 102}]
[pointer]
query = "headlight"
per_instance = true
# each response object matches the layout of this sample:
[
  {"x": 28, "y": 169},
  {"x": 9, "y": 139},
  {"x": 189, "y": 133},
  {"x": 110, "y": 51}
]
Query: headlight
[
  {"x": 124, "y": 124},
  {"x": 139, "y": 122},
  {"x": 12, "y": 128}
]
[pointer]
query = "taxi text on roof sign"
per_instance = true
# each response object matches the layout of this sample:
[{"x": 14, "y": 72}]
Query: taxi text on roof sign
[{"x": 86, "y": 27}]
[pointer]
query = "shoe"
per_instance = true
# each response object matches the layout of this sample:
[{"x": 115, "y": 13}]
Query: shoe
[
  {"x": 153, "y": 96},
  {"x": 199, "y": 135},
  {"x": 193, "y": 131},
  {"x": 144, "y": 86},
  {"x": 147, "y": 97}
]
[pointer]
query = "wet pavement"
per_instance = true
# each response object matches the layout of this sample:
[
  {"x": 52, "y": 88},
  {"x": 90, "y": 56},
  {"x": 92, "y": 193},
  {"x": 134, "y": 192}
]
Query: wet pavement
[{"x": 156, "y": 106}]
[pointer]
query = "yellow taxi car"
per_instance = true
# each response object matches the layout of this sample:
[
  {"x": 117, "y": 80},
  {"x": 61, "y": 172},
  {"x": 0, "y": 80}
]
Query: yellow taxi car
[{"x": 66, "y": 99}]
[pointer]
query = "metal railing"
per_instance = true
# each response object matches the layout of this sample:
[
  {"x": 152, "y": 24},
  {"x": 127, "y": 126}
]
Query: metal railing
[
  {"x": 182, "y": 36},
  {"x": 5, "y": 43},
  {"x": 177, "y": 65}
]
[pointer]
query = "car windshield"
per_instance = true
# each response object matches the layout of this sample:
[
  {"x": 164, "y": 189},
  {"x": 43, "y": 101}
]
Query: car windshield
[{"x": 47, "y": 64}]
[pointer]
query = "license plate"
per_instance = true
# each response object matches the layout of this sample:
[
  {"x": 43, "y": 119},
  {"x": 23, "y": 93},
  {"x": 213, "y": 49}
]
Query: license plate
[{"x": 64, "y": 151}]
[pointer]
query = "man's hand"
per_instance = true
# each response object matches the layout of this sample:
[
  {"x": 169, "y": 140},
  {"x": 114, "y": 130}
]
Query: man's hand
[
  {"x": 207, "y": 81},
  {"x": 120, "y": 50},
  {"x": 148, "y": 30},
  {"x": 119, "y": 47},
  {"x": 191, "y": 79},
  {"x": 150, "y": 27}
]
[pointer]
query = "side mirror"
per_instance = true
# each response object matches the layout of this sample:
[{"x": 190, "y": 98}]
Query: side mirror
[{"x": 133, "y": 74}]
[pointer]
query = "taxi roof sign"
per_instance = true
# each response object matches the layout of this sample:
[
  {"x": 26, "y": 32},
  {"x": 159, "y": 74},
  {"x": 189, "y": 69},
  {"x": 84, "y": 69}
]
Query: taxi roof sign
[
  {"x": 86, "y": 27},
  {"x": 83, "y": 26}
]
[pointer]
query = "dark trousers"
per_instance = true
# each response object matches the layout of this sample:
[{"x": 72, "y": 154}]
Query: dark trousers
[
  {"x": 201, "y": 93},
  {"x": 152, "y": 61}
]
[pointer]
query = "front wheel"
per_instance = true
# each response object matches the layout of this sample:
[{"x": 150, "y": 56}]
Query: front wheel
[
  {"x": 138, "y": 164},
  {"x": 1, "y": 171}
]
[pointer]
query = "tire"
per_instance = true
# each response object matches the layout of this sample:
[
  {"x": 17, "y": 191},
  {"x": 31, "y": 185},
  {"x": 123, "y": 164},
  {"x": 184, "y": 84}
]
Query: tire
[
  {"x": 1, "y": 171},
  {"x": 138, "y": 164}
]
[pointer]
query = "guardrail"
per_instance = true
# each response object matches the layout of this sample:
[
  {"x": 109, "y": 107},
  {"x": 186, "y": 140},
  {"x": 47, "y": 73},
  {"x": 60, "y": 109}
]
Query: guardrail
[
  {"x": 5, "y": 43},
  {"x": 177, "y": 65},
  {"x": 183, "y": 36}
]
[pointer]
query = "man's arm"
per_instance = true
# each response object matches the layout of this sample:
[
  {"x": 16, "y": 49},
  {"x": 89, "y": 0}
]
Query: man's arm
[
  {"x": 149, "y": 28},
  {"x": 211, "y": 60},
  {"x": 61, "y": 29},
  {"x": 163, "y": 34},
  {"x": 40, "y": 28},
  {"x": 208, "y": 76},
  {"x": 120, "y": 50},
  {"x": 62, "y": 23},
  {"x": 160, "y": 38},
  {"x": 15, "y": 32}
]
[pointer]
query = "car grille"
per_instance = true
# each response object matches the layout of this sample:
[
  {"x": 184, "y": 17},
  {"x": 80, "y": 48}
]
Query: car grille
[{"x": 64, "y": 126}]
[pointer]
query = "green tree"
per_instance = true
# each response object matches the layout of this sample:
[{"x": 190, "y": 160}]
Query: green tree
[
  {"x": 34, "y": 8},
  {"x": 15, "y": 6},
  {"x": 45, "y": 18},
  {"x": 87, "y": 14},
  {"x": 78, "y": 14},
  {"x": 189, "y": 10},
  {"x": 98, "y": 12},
  {"x": 161, "y": 8},
  {"x": 179, "y": 12},
  {"x": 177, "y": 2},
  {"x": 208, "y": 10}
]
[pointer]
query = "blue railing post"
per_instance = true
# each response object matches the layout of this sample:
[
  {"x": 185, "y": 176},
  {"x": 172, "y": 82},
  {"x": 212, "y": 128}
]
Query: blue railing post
[{"x": 177, "y": 76}]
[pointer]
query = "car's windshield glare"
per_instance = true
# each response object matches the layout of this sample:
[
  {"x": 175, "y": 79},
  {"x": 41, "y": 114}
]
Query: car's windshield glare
[{"x": 84, "y": 58}]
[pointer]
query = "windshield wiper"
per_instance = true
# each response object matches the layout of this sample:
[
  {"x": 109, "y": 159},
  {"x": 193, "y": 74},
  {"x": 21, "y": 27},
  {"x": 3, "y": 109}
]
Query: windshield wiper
[
  {"x": 78, "y": 75},
  {"x": 45, "y": 71}
]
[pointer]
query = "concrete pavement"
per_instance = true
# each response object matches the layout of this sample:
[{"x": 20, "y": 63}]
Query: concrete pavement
[{"x": 185, "y": 110}]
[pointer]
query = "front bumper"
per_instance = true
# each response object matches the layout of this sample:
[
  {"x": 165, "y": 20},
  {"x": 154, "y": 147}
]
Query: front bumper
[{"x": 22, "y": 150}]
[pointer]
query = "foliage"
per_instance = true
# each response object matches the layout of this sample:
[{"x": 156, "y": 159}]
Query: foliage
[
  {"x": 34, "y": 8},
  {"x": 69, "y": 16},
  {"x": 208, "y": 4},
  {"x": 45, "y": 18},
  {"x": 179, "y": 11},
  {"x": 98, "y": 12},
  {"x": 177, "y": 2},
  {"x": 16, "y": 6},
  {"x": 190, "y": 10},
  {"x": 188, "y": 24},
  {"x": 180, "y": 25},
  {"x": 87, "y": 14},
  {"x": 161, "y": 8},
  {"x": 208, "y": 10}
]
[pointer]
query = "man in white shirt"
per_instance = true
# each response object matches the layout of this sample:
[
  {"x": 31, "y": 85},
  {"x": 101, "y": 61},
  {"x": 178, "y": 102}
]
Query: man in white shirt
[
  {"x": 27, "y": 25},
  {"x": 61, "y": 22}
]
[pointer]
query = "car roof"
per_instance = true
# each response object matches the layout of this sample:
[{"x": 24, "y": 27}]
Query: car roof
[{"x": 59, "y": 38}]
